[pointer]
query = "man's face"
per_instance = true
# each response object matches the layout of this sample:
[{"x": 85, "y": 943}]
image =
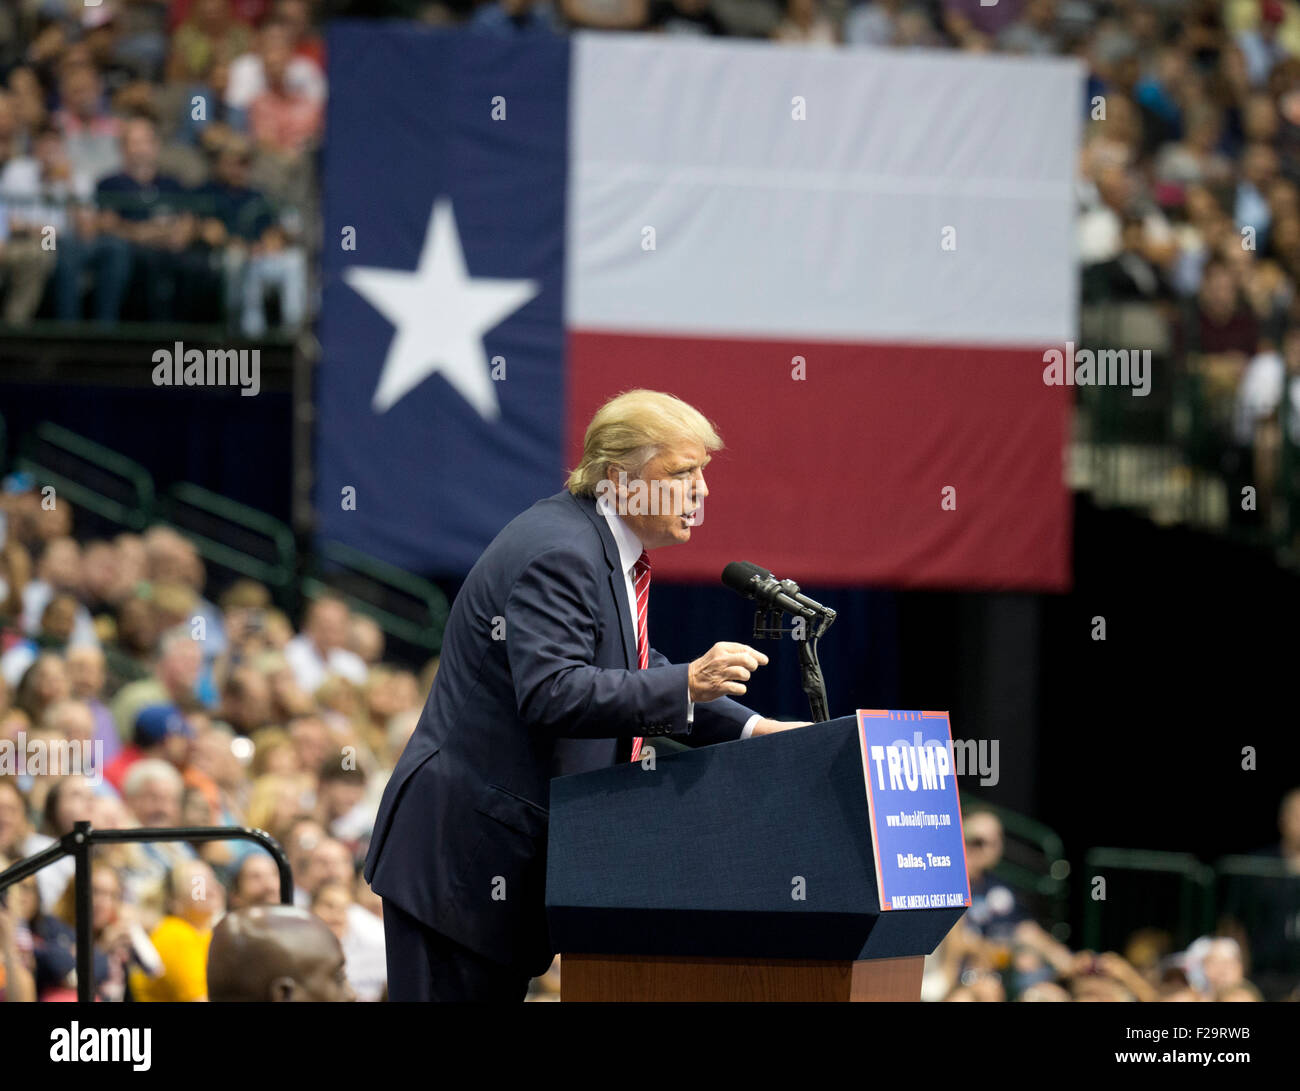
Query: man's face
[
  {"x": 156, "y": 803},
  {"x": 259, "y": 883},
  {"x": 327, "y": 981},
  {"x": 329, "y": 625},
  {"x": 80, "y": 91},
  {"x": 179, "y": 668},
  {"x": 76, "y": 723},
  {"x": 983, "y": 843},
  {"x": 329, "y": 862},
  {"x": 86, "y": 672},
  {"x": 666, "y": 499},
  {"x": 60, "y": 618},
  {"x": 331, "y": 905},
  {"x": 140, "y": 145},
  {"x": 75, "y": 801}
]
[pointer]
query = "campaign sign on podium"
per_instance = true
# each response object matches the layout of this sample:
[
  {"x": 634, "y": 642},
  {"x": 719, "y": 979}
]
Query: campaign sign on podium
[{"x": 915, "y": 811}]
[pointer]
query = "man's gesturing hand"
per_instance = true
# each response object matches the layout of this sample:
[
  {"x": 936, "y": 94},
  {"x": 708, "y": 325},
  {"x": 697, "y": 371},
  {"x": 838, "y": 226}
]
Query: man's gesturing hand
[{"x": 723, "y": 670}]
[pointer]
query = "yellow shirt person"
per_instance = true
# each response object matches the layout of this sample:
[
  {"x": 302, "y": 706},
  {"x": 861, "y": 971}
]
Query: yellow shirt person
[
  {"x": 184, "y": 953},
  {"x": 196, "y": 901}
]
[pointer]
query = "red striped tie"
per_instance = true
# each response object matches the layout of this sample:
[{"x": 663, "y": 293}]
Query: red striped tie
[{"x": 641, "y": 580}]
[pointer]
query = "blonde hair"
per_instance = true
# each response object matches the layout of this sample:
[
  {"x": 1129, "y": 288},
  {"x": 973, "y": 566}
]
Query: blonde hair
[{"x": 630, "y": 429}]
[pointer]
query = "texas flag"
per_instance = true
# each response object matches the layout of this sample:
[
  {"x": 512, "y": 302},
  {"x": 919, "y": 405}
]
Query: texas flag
[{"x": 852, "y": 261}]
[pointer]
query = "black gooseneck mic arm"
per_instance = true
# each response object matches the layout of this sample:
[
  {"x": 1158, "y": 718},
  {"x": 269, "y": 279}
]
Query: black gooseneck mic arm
[{"x": 776, "y": 597}]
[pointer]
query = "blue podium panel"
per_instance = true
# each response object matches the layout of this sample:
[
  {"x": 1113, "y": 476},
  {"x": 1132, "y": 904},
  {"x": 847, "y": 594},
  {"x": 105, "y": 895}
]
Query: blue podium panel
[{"x": 751, "y": 849}]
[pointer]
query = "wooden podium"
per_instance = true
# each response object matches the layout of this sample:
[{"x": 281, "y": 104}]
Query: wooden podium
[
  {"x": 736, "y": 872},
  {"x": 680, "y": 977}
]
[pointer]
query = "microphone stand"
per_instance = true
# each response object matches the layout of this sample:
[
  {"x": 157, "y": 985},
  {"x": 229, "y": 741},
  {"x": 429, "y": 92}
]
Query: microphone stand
[{"x": 767, "y": 626}]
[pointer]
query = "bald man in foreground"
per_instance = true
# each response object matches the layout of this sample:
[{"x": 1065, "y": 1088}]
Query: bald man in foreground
[{"x": 275, "y": 953}]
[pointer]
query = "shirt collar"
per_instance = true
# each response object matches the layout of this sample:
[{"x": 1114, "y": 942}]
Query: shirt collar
[{"x": 629, "y": 545}]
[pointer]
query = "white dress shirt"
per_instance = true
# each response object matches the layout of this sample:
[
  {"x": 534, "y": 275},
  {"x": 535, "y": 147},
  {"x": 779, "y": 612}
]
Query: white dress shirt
[{"x": 629, "y": 552}]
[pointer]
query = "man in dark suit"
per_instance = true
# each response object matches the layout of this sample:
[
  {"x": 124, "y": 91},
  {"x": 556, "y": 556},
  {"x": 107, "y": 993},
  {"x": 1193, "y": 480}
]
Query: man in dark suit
[{"x": 546, "y": 670}]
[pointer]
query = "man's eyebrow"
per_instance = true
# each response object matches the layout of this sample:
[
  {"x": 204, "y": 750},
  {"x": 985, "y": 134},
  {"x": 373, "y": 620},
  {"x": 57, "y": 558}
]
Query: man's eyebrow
[{"x": 690, "y": 465}]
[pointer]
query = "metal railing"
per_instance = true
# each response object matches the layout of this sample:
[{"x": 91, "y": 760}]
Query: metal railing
[
  {"x": 1175, "y": 455},
  {"x": 1174, "y": 890},
  {"x": 83, "y": 838}
]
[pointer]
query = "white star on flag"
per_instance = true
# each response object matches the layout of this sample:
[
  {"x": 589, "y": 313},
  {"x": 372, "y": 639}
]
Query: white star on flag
[{"x": 440, "y": 314}]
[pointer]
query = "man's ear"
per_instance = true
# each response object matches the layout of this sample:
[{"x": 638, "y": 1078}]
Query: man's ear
[
  {"x": 607, "y": 490},
  {"x": 284, "y": 990}
]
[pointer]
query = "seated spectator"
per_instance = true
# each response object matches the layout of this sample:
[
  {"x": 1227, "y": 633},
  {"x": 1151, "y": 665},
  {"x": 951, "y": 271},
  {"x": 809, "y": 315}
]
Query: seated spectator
[
  {"x": 239, "y": 222},
  {"x": 58, "y": 621},
  {"x": 34, "y": 191},
  {"x": 321, "y": 648},
  {"x": 284, "y": 119},
  {"x": 994, "y": 911},
  {"x": 103, "y": 577},
  {"x": 51, "y": 943},
  {"x": 361, "y": 933},
  {"x": 28, "y": 99},
  {"x": 89, "y": 130},
  {"x": 248, "y": 80},
  {"x": 1261, "y": 45},
  {"x": 58, "y": 571},
  {"x": 66, "y": 803},
  {"x": 366, "y": 639},
  {"x": 87, "y": 675},
  {"x": 129, "y": 654},
  {"x": 805, "y": 23},
  {"x": 142, "y": 223},
  {"x": 152, "y": 792},
  {"x": 172, "y": 682},
  {"x": 246, "y": 700},
  {"x": 209, "y": 34},
  {"x": 872, "y": 22},
  {"x": 119, "y": 941},
  {"x": 296, "y": 15},
  {"x": 1221, "y": 328},
  {"x": 331, "y": 903},
  {"x": 17, "y": 838},
  {"x": 256, "y": 882},
  {"x": 505, "y": 17},
  {"x": 606, "y": 14},
  {"x": 691, "y": 18},
  {"x": 342, "y": 803},
  {"x": 1035, "y": 33},
  {"x": 974, "y": 25},
  {"x": 195, "y": 902},
  {"x": 17, "y": 984},
  {"x": 276, "y": 953},
  {"x": 45, "y": 684},
  {"x": 171, "y": 558},
  {"x": 161, "y": 732}
]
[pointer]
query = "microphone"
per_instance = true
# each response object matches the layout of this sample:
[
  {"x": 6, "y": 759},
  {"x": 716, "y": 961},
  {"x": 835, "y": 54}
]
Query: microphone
[
  {"x": 755, "y": 582},
  {"x": 792, "y": 589}
]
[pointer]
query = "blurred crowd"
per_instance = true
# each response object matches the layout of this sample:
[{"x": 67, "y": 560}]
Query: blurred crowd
[
  {"x": 157, "y": 160},
  {"x": 999, "y": 952},
  {"x": 193, "y": 713}
]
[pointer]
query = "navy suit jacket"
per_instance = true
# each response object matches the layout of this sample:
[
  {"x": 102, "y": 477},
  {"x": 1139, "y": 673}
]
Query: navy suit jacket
[{"x": 538, "y": 678}]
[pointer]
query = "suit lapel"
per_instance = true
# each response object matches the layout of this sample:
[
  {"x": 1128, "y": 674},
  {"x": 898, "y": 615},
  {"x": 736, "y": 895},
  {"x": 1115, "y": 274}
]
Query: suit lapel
[{"x": 617, "y": 581}]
